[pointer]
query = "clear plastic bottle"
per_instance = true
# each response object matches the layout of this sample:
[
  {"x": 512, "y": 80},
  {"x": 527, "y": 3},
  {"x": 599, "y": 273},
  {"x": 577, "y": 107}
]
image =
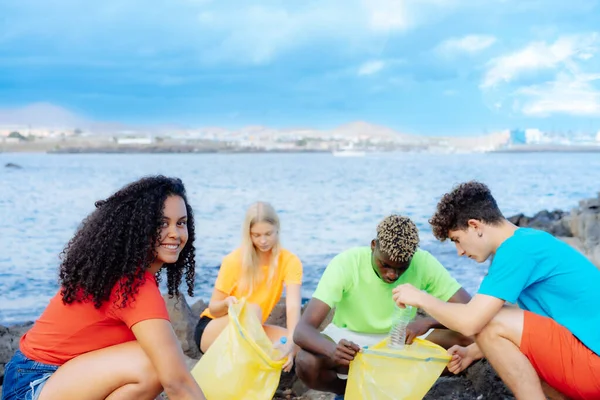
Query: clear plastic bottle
[
  {"x": 401, "y": 319},
  {"x": 280, "y": 347}
]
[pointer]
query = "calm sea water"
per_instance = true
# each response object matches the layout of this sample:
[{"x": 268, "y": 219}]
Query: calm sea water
[{"x": 326, "y": 204}]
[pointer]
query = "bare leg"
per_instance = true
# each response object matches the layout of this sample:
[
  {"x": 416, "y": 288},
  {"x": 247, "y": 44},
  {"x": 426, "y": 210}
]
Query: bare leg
[
  {"x": 212, "y": 331},
  {"x": 320, "y": 373},
  {"x": 500, "y": 341},
  {"x": 275, "y": 333},
  {"x": 118, "y": 372},
  {"x": 447, "y": 338}
]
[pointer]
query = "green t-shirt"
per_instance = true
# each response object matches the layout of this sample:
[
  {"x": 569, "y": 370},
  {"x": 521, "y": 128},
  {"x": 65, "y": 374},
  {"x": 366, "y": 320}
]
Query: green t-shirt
[{"x": 363, "y": 302}]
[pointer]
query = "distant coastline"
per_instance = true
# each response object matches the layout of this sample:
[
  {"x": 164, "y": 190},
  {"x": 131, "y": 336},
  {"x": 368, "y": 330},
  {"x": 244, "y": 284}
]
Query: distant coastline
[
  {"x": 549, "y": 149},
  {"x": 39, "y": 147},
  {"x": 350, "y": 140},
  {"x": 95, "y": 146},
  {"x": 177, "y": 150}
]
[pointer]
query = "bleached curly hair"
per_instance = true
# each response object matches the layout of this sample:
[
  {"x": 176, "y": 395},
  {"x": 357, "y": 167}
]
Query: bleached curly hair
[{"x": 398, "y": 238}]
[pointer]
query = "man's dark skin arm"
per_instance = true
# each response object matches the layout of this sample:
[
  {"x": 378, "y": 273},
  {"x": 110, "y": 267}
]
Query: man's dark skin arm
[
  {"x": 308, "y": 337},
  {"x": 307, "y": 334},
  {"x": 421, "y": 326}
]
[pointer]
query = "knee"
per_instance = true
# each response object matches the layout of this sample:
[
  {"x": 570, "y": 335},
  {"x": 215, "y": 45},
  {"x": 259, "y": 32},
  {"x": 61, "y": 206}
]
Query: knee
[
  {"x": 307, "y": 368},
  {"x": 502, "y": 325},
  {"x": 491, "y": 331},
  {"x": 148, "y": 382}
]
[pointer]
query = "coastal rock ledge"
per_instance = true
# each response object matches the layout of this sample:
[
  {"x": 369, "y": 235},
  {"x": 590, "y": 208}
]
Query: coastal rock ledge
[{"x": 580, "y": 227}]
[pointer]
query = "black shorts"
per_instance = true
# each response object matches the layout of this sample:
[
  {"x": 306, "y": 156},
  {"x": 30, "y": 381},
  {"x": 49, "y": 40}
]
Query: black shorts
[{"x": 200, "y": 327}]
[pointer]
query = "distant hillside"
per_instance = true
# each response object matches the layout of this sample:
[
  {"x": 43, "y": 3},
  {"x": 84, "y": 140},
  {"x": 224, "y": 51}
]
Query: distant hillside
[
  {"x": 42, "y": 119},
  {"x": 365, "y": 130},
  {"x": 40, "y": 114}
]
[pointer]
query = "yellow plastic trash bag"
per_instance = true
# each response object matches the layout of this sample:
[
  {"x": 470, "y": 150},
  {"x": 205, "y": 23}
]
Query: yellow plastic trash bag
[
  {"x": 381, "y": 373},
  {"x": 240, "y": 364}
]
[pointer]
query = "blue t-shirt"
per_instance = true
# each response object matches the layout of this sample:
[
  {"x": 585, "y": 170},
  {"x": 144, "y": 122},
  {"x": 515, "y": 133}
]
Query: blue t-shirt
[{"x": 546, "y": 276}]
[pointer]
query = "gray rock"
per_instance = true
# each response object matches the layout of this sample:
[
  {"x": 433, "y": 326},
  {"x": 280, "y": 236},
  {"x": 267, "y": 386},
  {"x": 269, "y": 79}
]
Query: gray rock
[
  {"x": 184, "y": 322},
  {"x": 451, "y": 388},
  {"x": 9, "y": 343},
  {"x": 12, "y": 165},
  {"x": 584, "y": 222},
  {"x": 278, "y": 316},
  {"x": 198, "y": 307},
  {"x": 550, "y": 221},
  {"x": 486, "y": 382},
  {"x": 580, "y": 227}
]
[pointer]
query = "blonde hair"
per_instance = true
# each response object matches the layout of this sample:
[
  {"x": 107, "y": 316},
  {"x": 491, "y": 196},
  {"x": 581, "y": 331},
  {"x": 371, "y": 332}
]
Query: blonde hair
[
  {"x": 251, "y": 268},
  {"x": 398, "y": 238}
]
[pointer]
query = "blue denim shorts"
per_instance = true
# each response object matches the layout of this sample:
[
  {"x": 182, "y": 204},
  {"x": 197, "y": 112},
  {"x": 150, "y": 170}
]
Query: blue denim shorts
[{"x": 25, "y": 378}]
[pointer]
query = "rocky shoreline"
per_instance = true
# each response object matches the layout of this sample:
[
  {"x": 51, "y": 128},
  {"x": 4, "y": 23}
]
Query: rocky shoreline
[{"x": 579, "y": 227}]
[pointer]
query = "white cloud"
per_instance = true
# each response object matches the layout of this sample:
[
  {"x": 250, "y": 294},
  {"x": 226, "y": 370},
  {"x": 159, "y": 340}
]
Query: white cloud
[
  {"x": 467, "y": 44},
  {"x": 539, "y": 56},
  {"x": 574, "y": 90},
  {"x": 256, "y": 34},
  {"x": 386, "y": 15},
  {"x": 259, "y": 32},
  {"x": 568, "y": 94},
  {"x": 218, "y": 32},
  {"x": 371, "y": 67},
  {"x": 400, "y": 15}
]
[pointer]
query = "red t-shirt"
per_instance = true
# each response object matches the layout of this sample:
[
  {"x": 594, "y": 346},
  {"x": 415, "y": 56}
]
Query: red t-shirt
[{"x": 65, "y": 331}]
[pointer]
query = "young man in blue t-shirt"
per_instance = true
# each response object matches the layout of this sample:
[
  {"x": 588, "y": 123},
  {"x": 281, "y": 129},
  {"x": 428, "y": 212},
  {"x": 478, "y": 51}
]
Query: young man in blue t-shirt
[{"x": 555, "y": 335}]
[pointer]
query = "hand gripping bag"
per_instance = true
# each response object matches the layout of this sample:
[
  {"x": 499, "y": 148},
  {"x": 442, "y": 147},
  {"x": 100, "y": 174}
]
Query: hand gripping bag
[
  {"x": 382, "y": 373},
  {"x": 240, "y": 363}
]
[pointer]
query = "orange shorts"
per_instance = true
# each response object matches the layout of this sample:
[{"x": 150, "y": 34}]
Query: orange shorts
[{"x": 560, "y": 358}]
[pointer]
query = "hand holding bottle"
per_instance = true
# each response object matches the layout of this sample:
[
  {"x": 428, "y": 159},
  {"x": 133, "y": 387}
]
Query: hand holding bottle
[
  {"x": 285, "y": 348},
  {"x": 401, "y": 319}
]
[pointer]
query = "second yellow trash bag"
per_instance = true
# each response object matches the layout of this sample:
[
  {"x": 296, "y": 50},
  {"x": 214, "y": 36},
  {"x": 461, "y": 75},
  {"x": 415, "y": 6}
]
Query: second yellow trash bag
[
  {"x": 240, "y": 363},
  {"x": 381, "y": 373}
]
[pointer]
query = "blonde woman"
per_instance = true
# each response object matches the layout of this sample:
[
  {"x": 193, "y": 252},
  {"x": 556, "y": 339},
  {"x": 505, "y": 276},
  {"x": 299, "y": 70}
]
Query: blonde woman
[{"x": 258, "y": 270}]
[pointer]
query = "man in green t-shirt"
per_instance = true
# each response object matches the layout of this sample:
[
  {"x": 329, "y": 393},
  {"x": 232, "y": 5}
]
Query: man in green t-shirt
[{"x": 358, "y": 283}]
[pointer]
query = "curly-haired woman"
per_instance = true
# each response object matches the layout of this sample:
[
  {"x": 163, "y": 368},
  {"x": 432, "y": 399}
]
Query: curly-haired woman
[
  {"x": 258, "y": 271},
  {"x": 106, "y": 333}
]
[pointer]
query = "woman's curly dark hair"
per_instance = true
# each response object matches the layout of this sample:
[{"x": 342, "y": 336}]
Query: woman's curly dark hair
[
  {"x": 116, "y": 244},
  {"x": 470, "y": 200}
]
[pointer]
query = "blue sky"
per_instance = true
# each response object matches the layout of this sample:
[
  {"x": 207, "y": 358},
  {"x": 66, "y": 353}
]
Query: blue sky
[{"x": 418, "y": 66}]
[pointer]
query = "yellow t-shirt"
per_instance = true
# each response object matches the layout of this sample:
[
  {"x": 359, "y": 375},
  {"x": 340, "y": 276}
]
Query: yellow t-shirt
[{"x": 265, "y": 294}]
